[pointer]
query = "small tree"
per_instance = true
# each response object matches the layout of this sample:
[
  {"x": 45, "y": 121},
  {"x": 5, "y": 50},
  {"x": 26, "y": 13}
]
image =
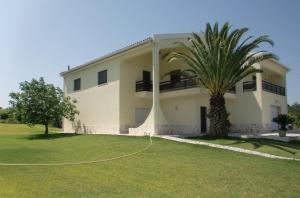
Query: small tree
[
  {"x": 41, "y": 103},
  {"x": 283, "y": 120}
]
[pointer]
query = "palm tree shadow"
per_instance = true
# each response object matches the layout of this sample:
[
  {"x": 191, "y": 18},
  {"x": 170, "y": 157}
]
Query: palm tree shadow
[
  {"x": 257, "y": 143},
  {"x": 50, "y": 136}
]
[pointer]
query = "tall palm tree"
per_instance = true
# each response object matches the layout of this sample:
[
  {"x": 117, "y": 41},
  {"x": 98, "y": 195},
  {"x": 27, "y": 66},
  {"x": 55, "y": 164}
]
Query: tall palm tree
[{"x": 220, "y": 58}]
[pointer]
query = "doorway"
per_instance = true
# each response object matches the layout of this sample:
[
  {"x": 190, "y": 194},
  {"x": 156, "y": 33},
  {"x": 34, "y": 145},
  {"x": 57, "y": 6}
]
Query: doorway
[
  {"x": 203, "y": 119},
  {"x": 275, "y": 111}
]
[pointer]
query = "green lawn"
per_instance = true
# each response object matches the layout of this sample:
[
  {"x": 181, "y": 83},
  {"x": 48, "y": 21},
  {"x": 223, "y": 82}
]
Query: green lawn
[
  {"x": 167, "y": 169},
  {"x": 291, "y": 149}
]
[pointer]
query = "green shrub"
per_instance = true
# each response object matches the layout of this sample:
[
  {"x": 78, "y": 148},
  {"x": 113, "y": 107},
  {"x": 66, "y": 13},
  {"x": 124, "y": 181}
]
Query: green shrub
[{"x": 283, "y": 120}]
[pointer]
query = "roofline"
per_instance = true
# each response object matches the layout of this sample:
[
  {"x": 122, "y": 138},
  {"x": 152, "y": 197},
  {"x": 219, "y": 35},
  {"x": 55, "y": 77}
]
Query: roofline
[
  {"x": 279, "y": 63},
  {"x": 119, "y": 51},
  {"x": 153, "y": 38}
]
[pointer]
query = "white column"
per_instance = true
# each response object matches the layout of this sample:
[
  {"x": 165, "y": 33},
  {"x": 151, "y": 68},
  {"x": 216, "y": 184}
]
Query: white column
[
  {"x": 156, "y": 122},
  {"x": 155, "y": 82}
]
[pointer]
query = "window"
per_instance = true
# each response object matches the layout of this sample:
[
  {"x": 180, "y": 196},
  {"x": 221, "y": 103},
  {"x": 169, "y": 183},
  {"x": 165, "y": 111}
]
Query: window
[
  {"x": 175, "y": 76},
  {"x": 102, "y": 77},
  {"x": 77, "y": 84}
]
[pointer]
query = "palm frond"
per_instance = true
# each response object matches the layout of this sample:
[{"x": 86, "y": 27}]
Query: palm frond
[{"x": 220, "y": 57}]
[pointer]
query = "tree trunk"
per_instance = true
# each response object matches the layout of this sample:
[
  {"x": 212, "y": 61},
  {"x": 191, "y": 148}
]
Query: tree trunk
[
  {"x": 46, "y": 129},
  {"x": 218, "y": 116}
]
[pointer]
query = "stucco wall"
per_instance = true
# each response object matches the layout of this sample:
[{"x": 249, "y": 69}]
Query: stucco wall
[
  {"x": 268, "y": 100},
  {"x": 132, "y": 71},
  {"x": 98, "y": 105},
  {"x": 111, "y": 108}
]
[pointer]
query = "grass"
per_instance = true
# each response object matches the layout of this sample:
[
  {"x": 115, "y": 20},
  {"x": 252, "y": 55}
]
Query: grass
[
  {"x": 287, "y": 149},
  {"x": 167, "y": 169}
]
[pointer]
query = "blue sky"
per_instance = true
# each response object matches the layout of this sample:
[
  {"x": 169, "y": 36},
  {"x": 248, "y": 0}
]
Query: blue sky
[{"x": 41, "y": 38}]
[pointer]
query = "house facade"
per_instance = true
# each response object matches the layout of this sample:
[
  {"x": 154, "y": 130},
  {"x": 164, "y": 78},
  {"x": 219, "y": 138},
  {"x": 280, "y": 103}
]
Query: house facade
[{"x": 128, "y": 92}]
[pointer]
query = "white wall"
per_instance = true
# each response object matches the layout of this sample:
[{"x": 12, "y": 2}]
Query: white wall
[
  {"x": 132, "y": 71},
  {"x": 98, "y": 105}
]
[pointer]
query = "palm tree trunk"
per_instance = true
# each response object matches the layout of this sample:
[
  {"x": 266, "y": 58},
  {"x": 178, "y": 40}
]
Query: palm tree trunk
[{"x": 218, "y": 116}]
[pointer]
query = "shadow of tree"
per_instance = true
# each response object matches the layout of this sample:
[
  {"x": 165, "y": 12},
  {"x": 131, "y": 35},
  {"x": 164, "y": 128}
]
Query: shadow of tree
[
  {"x": 257, "y": 143},
  {"x": 50, "y": 136}
]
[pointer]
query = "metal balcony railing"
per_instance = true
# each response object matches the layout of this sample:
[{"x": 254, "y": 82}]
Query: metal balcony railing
[
  {"x": 183, "y": 83},
  {"x": 266, "y": 86},
  {"x": 272, "y": 88},
  {"x": 249, "y": 86}
]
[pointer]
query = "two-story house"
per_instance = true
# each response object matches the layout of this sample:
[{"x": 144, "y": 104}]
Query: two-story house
[{"x": 127, "y": 91}]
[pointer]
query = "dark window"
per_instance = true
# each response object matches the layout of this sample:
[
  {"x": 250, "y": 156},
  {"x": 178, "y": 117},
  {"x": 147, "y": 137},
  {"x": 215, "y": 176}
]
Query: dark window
[
  {"x": 175, "y": 76},
  {"x": 203, "y": 119},
  {"x": 102, "y": 77},
  {"x": 77, "y": 84},
  {"x": 147, "y": 80},
  {"x": 146, "y": 76}
]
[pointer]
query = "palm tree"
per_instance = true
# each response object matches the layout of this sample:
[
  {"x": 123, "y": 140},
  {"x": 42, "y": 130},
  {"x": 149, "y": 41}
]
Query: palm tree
[{"x": 220, "y": 59}]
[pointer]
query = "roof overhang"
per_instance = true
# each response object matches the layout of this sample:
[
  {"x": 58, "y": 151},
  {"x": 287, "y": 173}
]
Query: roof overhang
[{"x": 114, "y": 53}]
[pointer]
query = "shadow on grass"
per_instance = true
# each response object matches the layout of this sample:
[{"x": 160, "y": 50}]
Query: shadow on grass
[
  {"x": 257, "y": 143},
  {"x": 50, "y": 136}
]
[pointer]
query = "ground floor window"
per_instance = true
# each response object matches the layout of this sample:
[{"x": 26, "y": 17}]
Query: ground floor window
[{"x": 141, "y": 114}]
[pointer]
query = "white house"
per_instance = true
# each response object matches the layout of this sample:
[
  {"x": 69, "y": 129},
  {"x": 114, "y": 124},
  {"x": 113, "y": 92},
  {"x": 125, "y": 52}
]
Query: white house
[{"x": 126, "y": 91}]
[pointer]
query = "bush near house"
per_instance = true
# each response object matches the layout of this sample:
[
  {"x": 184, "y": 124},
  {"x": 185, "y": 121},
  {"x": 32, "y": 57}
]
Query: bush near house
[{"x": 283, "y": 120}]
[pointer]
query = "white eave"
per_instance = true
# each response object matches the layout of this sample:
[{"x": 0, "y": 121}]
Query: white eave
[{"x": 155, "y": 37}]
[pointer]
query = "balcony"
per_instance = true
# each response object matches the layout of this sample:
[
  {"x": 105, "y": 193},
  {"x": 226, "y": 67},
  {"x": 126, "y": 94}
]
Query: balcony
[
  {"x": 249, "y": 85},
  {"x": 266, "y": 86},
  {"x": 272, "y": 88},
  {"x": 183, "y": 83}
]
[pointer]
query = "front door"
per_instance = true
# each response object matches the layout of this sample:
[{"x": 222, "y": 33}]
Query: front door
[
  {"x": 275, "y": 110},
  {"x": 203, "y": 119}
]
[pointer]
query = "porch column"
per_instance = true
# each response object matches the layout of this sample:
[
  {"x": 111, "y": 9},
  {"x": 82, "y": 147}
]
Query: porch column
[
  {"x": 159, "y": 120},
  {"x": 156, "y": 122}
]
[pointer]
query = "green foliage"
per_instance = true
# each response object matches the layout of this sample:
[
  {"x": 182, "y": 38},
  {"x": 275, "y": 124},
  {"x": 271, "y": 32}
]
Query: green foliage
[
  {"x": 41, "y": 103},
  {"x": 4, "y": 114},
  {"x": 220, "y": 58},
  {"x": 294, "y": 111},
  {"x": 283, "y": 120}
]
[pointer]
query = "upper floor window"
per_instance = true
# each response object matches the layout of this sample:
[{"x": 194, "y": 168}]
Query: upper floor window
[
  {"x": 77, "y": 84},
  {"x": 102, "y": 77}
]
